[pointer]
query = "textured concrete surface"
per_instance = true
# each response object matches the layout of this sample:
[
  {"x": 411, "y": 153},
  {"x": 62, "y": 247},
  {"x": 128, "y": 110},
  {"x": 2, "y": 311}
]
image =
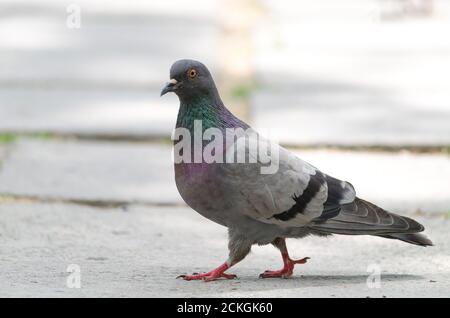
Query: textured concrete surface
[
  {"x": 126, "y": 42},
  {"x": 104, "y": 77},
  {"x": 90, "y": 171},
  {"x": 317, "y": 113},
  {"x": 140, "y": 251},
  {"x": 112, "y": 171},
  {"x": 2, "y": 154},
  {"x": 129, "y": 112},
  {"x": 2, "y": 151},
  {"x": 325, "y": 73},
  {"x": 347, "y": 75}
]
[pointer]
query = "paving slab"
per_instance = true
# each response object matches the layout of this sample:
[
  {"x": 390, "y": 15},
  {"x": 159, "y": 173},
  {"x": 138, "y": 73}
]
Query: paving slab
[
  {"x": 2, "y": 152},
  {"x": 91, "y": 171},
  {"x": 101, "y": 77},
  {"x": 115, "y": 113},
  {"x": 127, "y": 42},
  {"x": 317, "y": 115},
  {"x": 139, "y": 252},
  {"x": 342, "y": 75},
  {"x": 112, "y": 171}
]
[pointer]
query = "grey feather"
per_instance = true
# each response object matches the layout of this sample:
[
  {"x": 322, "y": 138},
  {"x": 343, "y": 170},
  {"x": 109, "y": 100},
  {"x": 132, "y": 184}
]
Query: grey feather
[
  {"x": 363, "y": 217},
  {"x": 415, "y": 238}
]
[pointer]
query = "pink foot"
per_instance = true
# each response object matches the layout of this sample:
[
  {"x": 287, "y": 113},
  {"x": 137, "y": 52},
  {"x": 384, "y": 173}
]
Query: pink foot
[
  {"x": 210, "y": 276},
  {"x": 286, "y": 271}
]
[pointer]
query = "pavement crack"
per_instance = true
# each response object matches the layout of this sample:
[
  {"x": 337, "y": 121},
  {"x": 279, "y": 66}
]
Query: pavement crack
[
  {"x": 164, "y": 139},
  {"x": 94, "y": 203},
  {"x": 94, "y": 137}
]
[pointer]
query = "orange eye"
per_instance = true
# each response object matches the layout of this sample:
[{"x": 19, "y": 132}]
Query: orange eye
[{"x": 192, "y": 73}]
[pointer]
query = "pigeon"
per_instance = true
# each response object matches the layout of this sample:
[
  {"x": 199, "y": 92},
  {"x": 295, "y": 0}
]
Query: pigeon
[{"x": 293, "y": 201}]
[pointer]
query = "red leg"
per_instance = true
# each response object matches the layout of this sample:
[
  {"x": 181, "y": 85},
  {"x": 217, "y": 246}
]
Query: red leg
[
  {"x": 217, "y": 273},
  {"x": 288, "y": 268}
]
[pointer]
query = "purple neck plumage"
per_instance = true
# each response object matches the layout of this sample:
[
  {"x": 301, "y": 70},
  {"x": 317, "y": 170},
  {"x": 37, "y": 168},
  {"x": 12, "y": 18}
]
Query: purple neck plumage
[{"x": 210, "y": 109}]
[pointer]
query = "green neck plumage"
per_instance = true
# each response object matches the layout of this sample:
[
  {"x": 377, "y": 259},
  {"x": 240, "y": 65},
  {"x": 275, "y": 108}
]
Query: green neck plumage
[{"x": 203, "y": 108}]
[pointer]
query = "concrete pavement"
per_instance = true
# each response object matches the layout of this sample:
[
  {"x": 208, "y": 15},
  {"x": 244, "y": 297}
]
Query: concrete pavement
[
  {"x": 324, "y": 74},
  {"x": 112, "y": 209},
  {"x": 138, "y": 252},
  {"x": 344, "y": 75}
]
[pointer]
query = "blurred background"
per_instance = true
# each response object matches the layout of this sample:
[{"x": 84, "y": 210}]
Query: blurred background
[{"x": 360, "y": 88}]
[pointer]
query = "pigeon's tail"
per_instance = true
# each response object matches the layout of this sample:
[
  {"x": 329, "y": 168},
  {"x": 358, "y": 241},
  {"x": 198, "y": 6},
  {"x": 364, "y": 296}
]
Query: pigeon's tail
[
  {"x": 415, "y": 238},
  {"x": 364, "y": 218}
]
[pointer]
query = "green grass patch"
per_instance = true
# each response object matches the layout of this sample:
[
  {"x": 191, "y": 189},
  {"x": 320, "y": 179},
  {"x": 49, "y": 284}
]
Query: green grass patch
[
  {"x": 6, "y": 138},
  {"x": 42, "y": 135},
  {"x": 243, "y": 91}
]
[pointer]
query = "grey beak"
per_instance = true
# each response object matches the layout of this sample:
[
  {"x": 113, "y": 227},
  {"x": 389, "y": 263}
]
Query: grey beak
[{"x": 170, "y": 87}]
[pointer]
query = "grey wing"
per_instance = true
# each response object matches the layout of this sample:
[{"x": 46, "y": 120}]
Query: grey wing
[{"x": 297, "y": 194}]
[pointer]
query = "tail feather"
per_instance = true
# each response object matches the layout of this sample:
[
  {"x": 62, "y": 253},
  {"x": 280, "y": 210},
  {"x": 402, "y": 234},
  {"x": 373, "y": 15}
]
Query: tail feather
[
  {"x": 364, "y": 218},
  {"x": 416, "y": 239}
]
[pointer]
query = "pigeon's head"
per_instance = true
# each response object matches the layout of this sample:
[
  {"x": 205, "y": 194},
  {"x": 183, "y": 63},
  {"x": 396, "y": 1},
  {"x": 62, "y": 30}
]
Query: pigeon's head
[{"x": 189, "y": 79}]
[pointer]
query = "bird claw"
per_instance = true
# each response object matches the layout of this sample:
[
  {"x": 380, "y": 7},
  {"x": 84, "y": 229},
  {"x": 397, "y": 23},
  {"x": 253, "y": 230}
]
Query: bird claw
[
  {"x": 301, "y": 261},
  {"x": 223, "y": 275},
  {"x": 215, "y": 274},
  {"x": 276, "y": 274},
  {"x": 207, "y": 277},
  {"x": 286, "y": 271}
]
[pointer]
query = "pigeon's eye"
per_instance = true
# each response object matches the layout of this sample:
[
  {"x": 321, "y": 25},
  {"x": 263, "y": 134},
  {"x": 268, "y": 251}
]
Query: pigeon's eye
[{"x": 192, "y": 73}]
